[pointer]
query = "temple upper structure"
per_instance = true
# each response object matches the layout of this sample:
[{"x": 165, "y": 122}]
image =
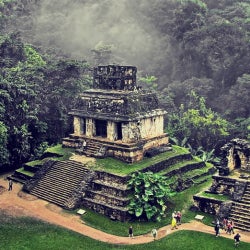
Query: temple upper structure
[{"x": 117, "y": 118}]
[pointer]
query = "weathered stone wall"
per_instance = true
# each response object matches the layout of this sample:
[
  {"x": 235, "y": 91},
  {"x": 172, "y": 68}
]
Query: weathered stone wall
[
  {"x": 111, "y": 212},
  {"x": 228, "y": 186},
  {"x": 153, "y": 143},
  {"x": 131, "y": 132},
  {"x": 235, "y": 154},
  {"x": 151, "y": 127},
  {"x": 207, "y": 205}
]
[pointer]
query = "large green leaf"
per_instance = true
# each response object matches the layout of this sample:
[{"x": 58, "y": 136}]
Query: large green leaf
[{"x": 138, "y": 211}]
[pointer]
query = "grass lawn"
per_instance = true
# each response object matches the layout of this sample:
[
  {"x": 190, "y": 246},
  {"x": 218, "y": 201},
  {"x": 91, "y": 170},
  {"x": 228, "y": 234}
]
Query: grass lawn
[{"x": 31, "y": 234}]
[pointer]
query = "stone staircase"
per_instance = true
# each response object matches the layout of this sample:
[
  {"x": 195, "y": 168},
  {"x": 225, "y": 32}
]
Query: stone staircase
[
  {"x": 240, "y": 211},
  {"x": 92, "y": 148},
  {"x": 63, "y": 183}
]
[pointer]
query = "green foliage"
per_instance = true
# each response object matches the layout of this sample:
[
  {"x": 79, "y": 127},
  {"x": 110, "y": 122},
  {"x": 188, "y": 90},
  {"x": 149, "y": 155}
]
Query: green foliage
[
  {"x": 4, "y": 156},
  {"x": 208, "y": 156},
  {"x": 149, "y": 81},
  {"x": 202, "y": 126},
  {"x": 150, "y": 193},
  {"x": 181, "y": 143},
  {"x": 35, "y": 97},
  {"x": 33, "y": 58}
]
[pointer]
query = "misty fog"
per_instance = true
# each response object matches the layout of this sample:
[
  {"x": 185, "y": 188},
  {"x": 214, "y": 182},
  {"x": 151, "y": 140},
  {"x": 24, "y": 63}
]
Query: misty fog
[{"x": 77, "y": 27}]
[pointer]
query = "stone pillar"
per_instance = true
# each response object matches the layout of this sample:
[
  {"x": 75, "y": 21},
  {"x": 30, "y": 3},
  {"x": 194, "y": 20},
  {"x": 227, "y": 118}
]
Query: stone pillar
[
  {"x": 230, "y": 159},
  {"x": 243, "y": 160},
  {"x": 77, "y": 125},
  {"x": 111, "y": 131},
  {"x": 90, "y": 127}
]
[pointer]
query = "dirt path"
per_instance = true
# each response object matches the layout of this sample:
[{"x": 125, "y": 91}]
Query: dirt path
[{"x": 18, "y": 203}]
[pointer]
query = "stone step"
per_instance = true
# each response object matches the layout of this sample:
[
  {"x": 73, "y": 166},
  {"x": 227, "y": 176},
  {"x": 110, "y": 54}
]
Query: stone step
[
  {"x": 52, "y": 197},
  {"x": 240, "y": 211},
  {"x": 57, "y": 201},
  {"x": 60, "y": 181},
  {"x": 113, "y": 185},
  {"x": 97, "y": 202},
  {"x": 241, "y": 204},
  {"x": 69, "y": 167},
  {"x": 107, "y": 198},
  {"x": 243, "y": 216},
  {"x": 241, "y": 225},
  {"x": 245, "y": 201},
  {"x": 51, "y": 191},
  {"x": 49, "y": 184},
  {"x": 55, "y": 176}
]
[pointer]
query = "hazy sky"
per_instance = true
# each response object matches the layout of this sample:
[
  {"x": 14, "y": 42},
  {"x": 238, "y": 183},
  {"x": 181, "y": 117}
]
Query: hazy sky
[{"x": 79, "y": 26}]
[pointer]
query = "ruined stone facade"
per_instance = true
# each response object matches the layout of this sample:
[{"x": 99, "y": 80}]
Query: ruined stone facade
[
  {"x": 117, "y": 117},
  {"x": 235, "y": 155}
]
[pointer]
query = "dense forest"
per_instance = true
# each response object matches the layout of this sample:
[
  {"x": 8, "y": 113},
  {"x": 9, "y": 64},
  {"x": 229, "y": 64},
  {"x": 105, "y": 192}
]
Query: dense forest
[{"x": 194, "y": 53}]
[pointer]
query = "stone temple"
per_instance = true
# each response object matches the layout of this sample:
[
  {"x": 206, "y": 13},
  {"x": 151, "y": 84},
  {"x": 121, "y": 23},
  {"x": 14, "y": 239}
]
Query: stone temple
[
  {"x": 117, "y": 118},
  {"x": 114, "y": 119}
]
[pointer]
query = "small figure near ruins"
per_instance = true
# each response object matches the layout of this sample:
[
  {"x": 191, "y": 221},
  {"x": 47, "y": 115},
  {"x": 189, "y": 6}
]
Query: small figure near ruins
[{"x": 10, "y": 185}]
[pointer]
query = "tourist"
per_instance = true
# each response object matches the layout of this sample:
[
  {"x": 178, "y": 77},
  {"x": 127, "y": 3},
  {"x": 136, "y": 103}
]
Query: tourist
[
  {"x": 154, "y": 233},
  {"x": 178, "y": 217},
  {"x": 174, "y": 223},
  {"x": 217, "y": 229},
  {"x": 237, "y": 240},
  {"x": 130, "y": 232},
  {"x": 174, "y": 214},
  {"x": 10, "y": 185},
  {"x": 230, "y": 228},
  {"x": 225, "y": 224},
  {"x": 84, "y": 145}
]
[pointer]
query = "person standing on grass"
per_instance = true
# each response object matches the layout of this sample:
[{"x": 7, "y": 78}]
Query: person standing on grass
[
  {"x": 130, "y": 232},
  {"x": 10, "y": 185},
  {"x": 237, "y": 240}
]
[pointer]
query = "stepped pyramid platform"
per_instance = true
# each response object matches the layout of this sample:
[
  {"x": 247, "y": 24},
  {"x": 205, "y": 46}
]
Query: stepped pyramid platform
[
  {"x": 240, "y": 211},
  {"x": 71, "y": 184}
]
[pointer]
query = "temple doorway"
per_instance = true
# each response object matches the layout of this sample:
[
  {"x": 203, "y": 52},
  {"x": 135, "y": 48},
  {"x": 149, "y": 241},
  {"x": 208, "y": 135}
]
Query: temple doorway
[
  {"x": 119, "y": 131},
  {"x": 237, "y": 161},
  {"x": 101, "y": 128},
  {"x": 83, "y": 128}
]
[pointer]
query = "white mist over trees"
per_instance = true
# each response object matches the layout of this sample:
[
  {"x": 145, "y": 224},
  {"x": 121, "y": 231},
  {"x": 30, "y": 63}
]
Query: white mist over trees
[{"x": 77, "y": 27}]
